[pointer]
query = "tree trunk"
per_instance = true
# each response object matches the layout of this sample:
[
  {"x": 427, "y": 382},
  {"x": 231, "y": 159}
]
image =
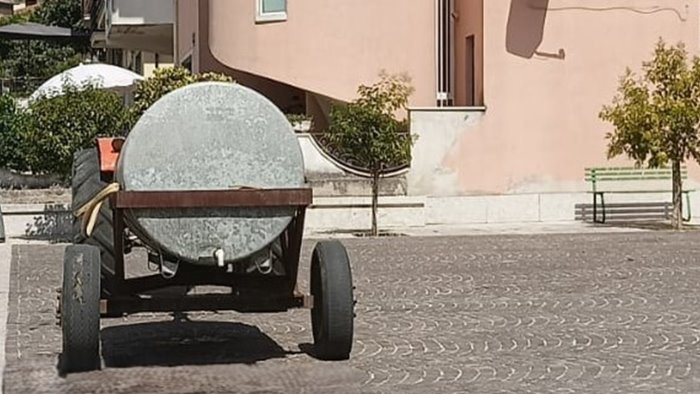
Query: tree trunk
[
  {"x": 375, "y": 202},
  {"x": 677, "y": 196}
]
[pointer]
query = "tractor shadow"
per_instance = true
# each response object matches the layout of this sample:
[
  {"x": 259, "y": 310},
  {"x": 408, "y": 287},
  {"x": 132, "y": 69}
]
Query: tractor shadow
[{"x": 179, "y": 343}]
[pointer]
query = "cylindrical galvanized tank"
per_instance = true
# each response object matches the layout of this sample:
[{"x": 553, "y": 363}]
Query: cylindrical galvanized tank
[{"x": 210, "y": 136}]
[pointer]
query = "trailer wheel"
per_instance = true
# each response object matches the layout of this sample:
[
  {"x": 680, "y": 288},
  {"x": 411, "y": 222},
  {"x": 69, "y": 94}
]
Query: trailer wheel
[
  {"x": 332, "y": 314},
  {"x": 85, "y": 184},
  {"x": 80, "y": 309}
]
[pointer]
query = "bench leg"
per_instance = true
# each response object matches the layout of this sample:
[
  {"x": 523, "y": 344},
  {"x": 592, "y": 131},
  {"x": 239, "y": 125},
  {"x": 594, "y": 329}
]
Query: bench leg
[
  {"x": 687, "y": 215},
  {"x": 595, "y": 207}
]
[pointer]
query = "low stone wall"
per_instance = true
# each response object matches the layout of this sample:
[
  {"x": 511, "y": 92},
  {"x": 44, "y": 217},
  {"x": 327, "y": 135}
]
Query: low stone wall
[
  {"x": 53, "y": 222},
  {"x": 330, "y": 178},
  {"x": 347, "y": 214}
]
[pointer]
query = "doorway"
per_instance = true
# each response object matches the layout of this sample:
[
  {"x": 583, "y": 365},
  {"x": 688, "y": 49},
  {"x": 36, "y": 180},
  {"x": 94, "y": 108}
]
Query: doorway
[{"x": 470, "y": 71}]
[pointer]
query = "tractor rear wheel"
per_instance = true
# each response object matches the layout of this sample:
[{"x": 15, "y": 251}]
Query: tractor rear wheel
[{"x": 85, "y": 184}]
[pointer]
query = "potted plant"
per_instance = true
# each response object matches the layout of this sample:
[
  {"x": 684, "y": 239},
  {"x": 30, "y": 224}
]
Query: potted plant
[{"x": 301, "y": 123}]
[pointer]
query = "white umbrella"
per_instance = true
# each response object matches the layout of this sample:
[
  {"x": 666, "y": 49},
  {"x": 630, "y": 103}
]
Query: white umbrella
[{"x": 105, "y": 76}]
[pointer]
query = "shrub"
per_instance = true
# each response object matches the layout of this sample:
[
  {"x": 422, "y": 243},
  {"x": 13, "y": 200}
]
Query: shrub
[
  {"x": 12, "y": 121},
  {"x": 164, "y": 81},
  {"x": 59, "y": 126}
]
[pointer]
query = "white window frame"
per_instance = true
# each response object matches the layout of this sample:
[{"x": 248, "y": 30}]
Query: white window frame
[{"x": 262, "y": 17}]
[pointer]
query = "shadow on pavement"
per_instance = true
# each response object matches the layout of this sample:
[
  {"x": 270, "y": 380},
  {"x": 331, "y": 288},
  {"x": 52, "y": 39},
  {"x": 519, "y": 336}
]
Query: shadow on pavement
[
  {"x": 54, "y": 224},
  {"x": 176, "y": 343},
  {"x": 645, "y": 225}
]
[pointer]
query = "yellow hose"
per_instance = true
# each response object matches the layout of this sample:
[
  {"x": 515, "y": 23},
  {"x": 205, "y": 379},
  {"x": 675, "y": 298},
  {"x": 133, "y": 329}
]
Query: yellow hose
[{"x": 90, "y": 210}]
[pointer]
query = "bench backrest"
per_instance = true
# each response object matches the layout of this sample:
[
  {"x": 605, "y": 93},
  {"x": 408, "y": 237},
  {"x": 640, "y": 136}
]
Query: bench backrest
[
  {"x": 623, "y": 174},
  {"x": 602, "y": 174}
]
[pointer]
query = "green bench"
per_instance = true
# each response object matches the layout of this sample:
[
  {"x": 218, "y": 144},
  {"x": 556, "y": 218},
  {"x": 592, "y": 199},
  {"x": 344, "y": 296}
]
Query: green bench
[{"x": 642, "y": 178}]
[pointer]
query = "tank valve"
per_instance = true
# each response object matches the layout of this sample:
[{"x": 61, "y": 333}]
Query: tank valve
[{"x": 219, "y": 255}]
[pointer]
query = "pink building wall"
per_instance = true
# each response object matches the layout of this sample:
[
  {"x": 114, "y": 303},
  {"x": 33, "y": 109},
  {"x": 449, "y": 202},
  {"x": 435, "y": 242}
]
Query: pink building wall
[
  {"x": 186, "y": 14},
  {"x": 541, "y": 126},
  {"x": 330, "y": 47},
  {"x": 193, "y": 38}
]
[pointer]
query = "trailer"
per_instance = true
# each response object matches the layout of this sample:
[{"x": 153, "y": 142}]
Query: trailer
[{"x": 223, "y": 205}]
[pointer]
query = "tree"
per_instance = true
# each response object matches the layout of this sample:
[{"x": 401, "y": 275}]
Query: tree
[
  {"x": 63, "y": 13},
  {"x": 656, "y": 115},
  {"x": 367, "y": 131},
  {"x": 165, "y": 80}
]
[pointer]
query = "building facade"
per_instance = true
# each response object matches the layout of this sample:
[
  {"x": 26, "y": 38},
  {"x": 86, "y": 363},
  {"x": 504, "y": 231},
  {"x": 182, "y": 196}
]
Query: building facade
[
  {"x": 9, "y": 7},
  {"x": 6, "y": 7},
  {"x": 507, "y": 92},
  {"x": 135, "y": 34},
  {"x": 305, "y": 55},
  {"x": 549, "y": 67}
]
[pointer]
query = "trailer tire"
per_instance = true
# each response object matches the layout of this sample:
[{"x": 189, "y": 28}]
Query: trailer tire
[
  {"x": 333, "y": 304},
  {"x": 85, "y": 184},
  {"x": 80, "y": 309}
]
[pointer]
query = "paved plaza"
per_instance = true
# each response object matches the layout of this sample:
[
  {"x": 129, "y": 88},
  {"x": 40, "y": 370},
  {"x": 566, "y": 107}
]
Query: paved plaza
[{"x": 593, "y": 313}]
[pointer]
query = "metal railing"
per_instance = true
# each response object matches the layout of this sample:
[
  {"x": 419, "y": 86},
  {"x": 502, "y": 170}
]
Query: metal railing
[{"x": 347, "y": 160}]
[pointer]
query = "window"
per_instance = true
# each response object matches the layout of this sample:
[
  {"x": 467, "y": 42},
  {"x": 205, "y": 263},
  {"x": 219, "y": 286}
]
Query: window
[{"x": 271, "y": 10}]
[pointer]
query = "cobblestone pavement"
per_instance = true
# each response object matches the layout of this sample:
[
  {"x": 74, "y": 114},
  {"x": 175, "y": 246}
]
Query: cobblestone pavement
[{"x": 487, "y": 314}]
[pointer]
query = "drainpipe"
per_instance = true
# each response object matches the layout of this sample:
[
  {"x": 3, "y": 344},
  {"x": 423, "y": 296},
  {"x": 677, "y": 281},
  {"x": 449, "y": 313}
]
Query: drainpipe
[{"x": 444, "y": 40}]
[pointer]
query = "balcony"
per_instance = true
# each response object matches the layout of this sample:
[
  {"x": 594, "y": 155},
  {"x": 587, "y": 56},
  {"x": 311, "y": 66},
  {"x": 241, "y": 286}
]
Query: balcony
[{"x": 131, "y": 24}]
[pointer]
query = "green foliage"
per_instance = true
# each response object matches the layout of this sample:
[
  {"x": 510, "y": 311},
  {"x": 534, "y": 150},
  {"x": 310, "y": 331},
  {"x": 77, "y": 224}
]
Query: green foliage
[
  {"x": 12, "y": 123},
  {"x": 36, "y": 59},
  {"x": 296, "y": 118},
  {"x": 59, "y": 126},
  {"x": 366, "y": 130},
  {"x": 39, "y": 60},
  {"x": 165, "y": 80},
  {"x": 656, "y": 116},
  {"x": 64, "y": 13},
  {"x": 20, "y": 17}
]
